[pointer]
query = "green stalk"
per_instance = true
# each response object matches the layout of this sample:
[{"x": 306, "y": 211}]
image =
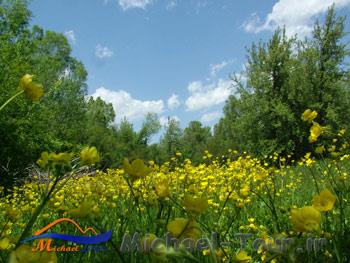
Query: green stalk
[{"x": 11, "y": 99}]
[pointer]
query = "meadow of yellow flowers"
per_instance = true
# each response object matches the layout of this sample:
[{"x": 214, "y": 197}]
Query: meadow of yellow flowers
[{"x": 304, "y": 202}]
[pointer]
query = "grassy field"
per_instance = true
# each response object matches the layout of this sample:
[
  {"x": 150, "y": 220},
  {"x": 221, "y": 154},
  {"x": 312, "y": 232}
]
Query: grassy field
[{"x": 305, "y": 201}]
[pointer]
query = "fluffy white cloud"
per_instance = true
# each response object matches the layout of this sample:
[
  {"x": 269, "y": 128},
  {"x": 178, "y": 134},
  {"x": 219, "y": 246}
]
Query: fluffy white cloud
[
  {"x": 126, "y": 106},
  {"x": 253, "y": 24},
  {"x": 210, "y": 116},
  {"x": 128, "y": 4},
  {"x": 203, "y": 96},
  {"x": 215, "y": 68},
  {"x": 70, "y": 36},
  {"x": 297, "y": 16},
  {"x": 173, "y": 102},
  {"x": 103, "y": 52}
]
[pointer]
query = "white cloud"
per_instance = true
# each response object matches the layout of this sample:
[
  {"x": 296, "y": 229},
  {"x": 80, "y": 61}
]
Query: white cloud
[
  {"x": 171, "y": 4},
  {"x": 215, "y": 68},
  {"x": 103, "y": 52},
  {"x": 203, "y": 96},
  {"x": 253, "y": 24},
  {"x": 126, "y": 106},
  {"x": 173, "y": 102},
  {"x": 210, "y": 116},
  {"x": 297, "y": 16},
  {"x": 128, "y": 4},
  {"x": 70, "y": 36}
]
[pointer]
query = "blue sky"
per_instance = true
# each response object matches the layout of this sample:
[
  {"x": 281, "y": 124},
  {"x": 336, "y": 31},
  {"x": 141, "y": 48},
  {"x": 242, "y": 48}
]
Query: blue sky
[{"x": 171, "y": 57}]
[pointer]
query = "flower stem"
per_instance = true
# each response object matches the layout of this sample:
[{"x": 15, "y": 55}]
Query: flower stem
[{"x": 11, "y": 99}]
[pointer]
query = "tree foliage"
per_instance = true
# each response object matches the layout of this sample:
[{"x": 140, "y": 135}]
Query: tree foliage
[
  {"x": 286, "y": 76},
  {"x": 283, "y": 77}
]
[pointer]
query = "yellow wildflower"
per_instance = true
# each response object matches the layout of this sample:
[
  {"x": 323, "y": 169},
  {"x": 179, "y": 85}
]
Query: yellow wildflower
[
  {"x": 242, "y": 256},
  {"x": 309, "y": 115},
  {"x": 320, "y": 149},
  {"x": 324, "y": 201},
  {"x": 54, "y": 159},
  {"x": 12, "y": 213},
  {"x": 89, "y": 156},
  {"x": 195, "y": 205},
  {"x": 136, "y": 169},
  {"x": 184, "y": 228},
  {"x": 327, "y": 254},
  {"x": 244, "y": 191},
  {"x": 146, "y": 241},
  {"x": 60, "y": 158},
  {"x": 332, "y": 148},
  {"x": 221, "y": 253},
  {"x": 4, "y": 243},
  {"x": 306, "y": 219},
  {"x": 34, "y": 91},
  {"x": 85, "y": 209},
  {"x": 44, "y": 160},
  {"x": 315, "y": 132},
  {"x": 162, "y": 189},
  {"x": 341, "y": 132},
  {"x": 24, "y": 254}
]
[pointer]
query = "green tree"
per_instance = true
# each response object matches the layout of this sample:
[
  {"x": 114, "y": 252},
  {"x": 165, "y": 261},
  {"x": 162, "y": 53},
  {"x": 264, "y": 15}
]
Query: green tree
[
  {"x": 57, "y": 121},
  {"x": 285, "y": 77},
  {"x": 224, "y": 131},
  {"x": 195, "y": 141},
  {"x": 100, "y": 131},
  {"x": 170, "y": 142}
]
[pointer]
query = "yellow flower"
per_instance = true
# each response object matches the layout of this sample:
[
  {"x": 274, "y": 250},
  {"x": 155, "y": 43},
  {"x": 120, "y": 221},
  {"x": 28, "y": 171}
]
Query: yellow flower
[
  {"x": 4, "y": 243},
  {"x": 244, "y": 191},
  {"x": 306, "y": 219},
  {"x": 220, "y": 253},
  {"x": 242, "y": 256},
  {"x": 320, "y": 149},
  {"x": 85, "y": 209},
  {"x": 54, "y": 159},
  {"x": 12, "y": 213},
  {"x": 184, "y": 228},
  {"x": 136, "y": 169},
  {"x": 309, "y": 115},
  {"x": 341, "y": 132},
  {"x": 162, "y": 189},
  {"x": 44, "y": 160},
  {"x": 89, "y": 156},
  {"x": 34, "y": 91},
  {"x": 24, "y": 254},
  {"x": 146, "y": 242},
  {"x": 332, "y": 148},
  {"x": 61, "y": 158},
  {"x": 195, "y": 205},
  {"x": 324, "y": 201},
  {"x": 315, "y": 132}
]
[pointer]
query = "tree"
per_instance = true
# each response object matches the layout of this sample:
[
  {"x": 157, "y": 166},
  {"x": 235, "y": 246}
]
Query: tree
[
  {"x": 55, "y": 123},
  {"x": 171, "y": 143},
  {"x": 224, "y": 131},
  {"x": 284, "y": 78},
  {"x": 195, "y": 141},
  {"x": 100, "y": 131}
]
